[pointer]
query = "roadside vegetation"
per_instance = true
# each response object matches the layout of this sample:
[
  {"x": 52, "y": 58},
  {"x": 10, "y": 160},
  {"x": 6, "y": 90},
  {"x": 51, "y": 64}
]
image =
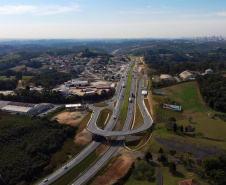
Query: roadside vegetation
[{"x": 123, "y": 113}]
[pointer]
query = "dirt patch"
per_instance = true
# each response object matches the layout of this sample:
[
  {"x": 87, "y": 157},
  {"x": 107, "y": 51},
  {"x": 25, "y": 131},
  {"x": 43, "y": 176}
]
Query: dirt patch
[
  {"x": 199, "y": 94},
  {"x": 71, "y": 118},
  {"x": 102, "y": 148},
  {"x": 122, "y": 164},
  {"x": 198, "y": 151},
  {"x": 80, "y": 139}
]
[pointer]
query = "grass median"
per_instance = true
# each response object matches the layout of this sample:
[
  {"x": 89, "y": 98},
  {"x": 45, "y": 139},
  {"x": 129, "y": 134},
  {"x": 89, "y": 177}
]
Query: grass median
[
  {"x": 123, "y": 113},
  {"x": 104, "y": 117}
]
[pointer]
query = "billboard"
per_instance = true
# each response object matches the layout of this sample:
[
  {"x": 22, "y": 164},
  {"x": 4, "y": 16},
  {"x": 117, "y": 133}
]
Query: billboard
[
  {"x": 159, "y": 92},
  {"x": 172, "y": 107}
]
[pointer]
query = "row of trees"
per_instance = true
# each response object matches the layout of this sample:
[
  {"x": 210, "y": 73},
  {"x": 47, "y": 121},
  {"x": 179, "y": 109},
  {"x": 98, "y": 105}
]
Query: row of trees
[
  {"x": 213, "y": 90},
  {"x": 8, "y": 84},
  {"x": 49, "y": 96}
]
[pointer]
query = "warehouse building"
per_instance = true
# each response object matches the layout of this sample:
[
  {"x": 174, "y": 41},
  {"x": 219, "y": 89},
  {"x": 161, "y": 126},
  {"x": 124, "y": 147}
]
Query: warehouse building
[
  {"x": 72, "y": 107},
  {"x": 25, "y": 108},
  {"x": 166, "y": 77},
  {"x": 209, "y": 72},
  {"x": 186, "y": 75}
]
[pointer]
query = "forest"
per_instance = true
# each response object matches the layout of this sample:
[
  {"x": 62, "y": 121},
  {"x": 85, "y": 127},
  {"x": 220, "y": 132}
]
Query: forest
[
  {"x": 175, "y": 63},
  {"x": 26, "y": 146},
  {"x": 213, "y": 91}
]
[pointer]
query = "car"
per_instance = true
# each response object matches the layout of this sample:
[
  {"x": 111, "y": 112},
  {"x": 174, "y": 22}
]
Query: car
[
  {"x": 114, "y": 117},
  {"x": 46, "y": 180},
  {"x": 65, "y": 167}
]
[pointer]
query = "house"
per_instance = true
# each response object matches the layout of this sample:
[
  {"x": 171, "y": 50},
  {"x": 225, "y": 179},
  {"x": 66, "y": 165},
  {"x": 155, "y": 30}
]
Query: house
[
  {"x": 189, "y": 128},
  {"x": 166, "y": 77},
  {"x": 189, "y": 182}
]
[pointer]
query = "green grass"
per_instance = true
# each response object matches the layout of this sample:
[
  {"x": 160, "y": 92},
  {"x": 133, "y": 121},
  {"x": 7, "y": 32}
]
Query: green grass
[
  {"x": 187, "y": 95},
  {"x": 10, "y": 58},
  {"x": 183, "y": 174},
  {"x": 208, "y": 131},
  {"x": 138, "y": 117},
  {"x": 132, "y": 181},
  {"x": 126, "y": 97},
  {"x": 100, "y": 104},
  {"x": 85, "y": 121},
  {"x": 23, "y": 78},
  {"x": 104, "y": 114}
]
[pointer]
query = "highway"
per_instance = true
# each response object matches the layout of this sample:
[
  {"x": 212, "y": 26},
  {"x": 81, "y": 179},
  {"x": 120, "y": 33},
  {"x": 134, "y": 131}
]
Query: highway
[
  {"x": 129, "y": 119},
  {"x": 91, "y": 126},
  {"x": 91, "y": 147}
]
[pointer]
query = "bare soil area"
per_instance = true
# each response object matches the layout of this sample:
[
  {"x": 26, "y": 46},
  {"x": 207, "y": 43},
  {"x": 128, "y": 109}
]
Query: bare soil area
[
  {"x": 198, "y": 151},
  {"x": 71, "y": 118},
  {"x": 80, "y": 139},
  {"x": 115, "y": 171}
]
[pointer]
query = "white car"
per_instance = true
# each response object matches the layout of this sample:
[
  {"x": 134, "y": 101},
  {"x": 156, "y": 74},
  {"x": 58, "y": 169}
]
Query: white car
[{"x": 46, "y": 180}]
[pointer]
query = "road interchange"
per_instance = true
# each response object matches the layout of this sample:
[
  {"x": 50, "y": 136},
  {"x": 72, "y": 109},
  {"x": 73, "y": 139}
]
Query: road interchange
[{"x": 91, "y": 126}]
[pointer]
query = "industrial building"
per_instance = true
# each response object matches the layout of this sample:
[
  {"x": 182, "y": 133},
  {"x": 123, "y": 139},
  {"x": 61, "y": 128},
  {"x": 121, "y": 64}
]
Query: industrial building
[
  {"x": 166, "y": 77},
  {"x": 186, "y": 75},
  {"x": 24, "y": 108},
  {"x": 71, "y": 107},
  {"x": 209, "y": 72}
]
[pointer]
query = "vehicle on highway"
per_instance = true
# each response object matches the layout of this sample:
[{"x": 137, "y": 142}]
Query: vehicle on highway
[
  {"x": 46, "y": 180},
  {"x": 65, "y": 167}
]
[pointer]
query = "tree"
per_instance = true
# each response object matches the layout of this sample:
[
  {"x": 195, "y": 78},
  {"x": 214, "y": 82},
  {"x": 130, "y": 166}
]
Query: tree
[
  {"x": 172, "y": 152},
  {"x": 174, "y": 127},
  {"x": 172, "y": 167},
  {"x": 160, "y": 150},
  {"x": 148, "y": 156},
  {"x": 181, "y": 128},
  {"x": 18, "y": 75}
]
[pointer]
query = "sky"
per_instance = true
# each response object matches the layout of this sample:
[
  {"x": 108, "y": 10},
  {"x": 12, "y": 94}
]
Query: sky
[{"x": 68, "y": 19}]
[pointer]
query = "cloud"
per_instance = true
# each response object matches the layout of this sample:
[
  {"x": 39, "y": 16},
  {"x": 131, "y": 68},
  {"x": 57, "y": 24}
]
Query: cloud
[
  {"x": 221, "y": 14},
  {"x": 147, "y": 10},
  {"x": 35, "y": 10}
]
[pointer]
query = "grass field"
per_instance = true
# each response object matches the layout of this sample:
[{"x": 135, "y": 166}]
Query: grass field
[
  {"x": 132, "y": 181},
  {"x": 126, "y": 97},
  {"x": 84, "y": 122},
  {"x": 100, "y": 104},
  {"x": 185, "y": 94},
  {"x": 18, "y": 68},
  {"x": 138, "y": 117},
  {"x": 10, "y": 58},
  {"x": 183, "y": 174},
  {"x": 23, "y": 78},
  {"x": 104, "y": 116}
]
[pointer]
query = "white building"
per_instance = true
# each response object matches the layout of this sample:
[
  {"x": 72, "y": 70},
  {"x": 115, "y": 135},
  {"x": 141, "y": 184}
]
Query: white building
[
  {"x": 186, "y": 75},
  {"x": 25, "y": 108},
  {"x": 209, "y": 72},
  {"x": 166, "y": 77}
]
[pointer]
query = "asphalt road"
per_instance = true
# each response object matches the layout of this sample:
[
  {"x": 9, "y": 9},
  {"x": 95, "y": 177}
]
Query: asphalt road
[{"x": 129, "y": 119}]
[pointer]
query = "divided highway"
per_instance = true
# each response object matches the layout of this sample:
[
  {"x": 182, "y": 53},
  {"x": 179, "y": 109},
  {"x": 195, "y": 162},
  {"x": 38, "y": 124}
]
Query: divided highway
[{"x": 91, "y": 147}]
